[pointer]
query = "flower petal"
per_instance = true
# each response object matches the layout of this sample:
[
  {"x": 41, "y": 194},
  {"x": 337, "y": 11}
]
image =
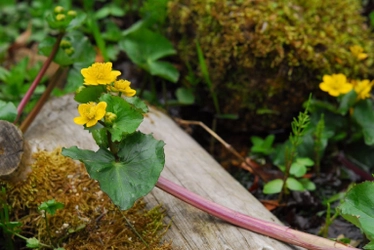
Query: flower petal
[
  {"x": 80, "y": 120},
  {"x": 91, "y": 123}
]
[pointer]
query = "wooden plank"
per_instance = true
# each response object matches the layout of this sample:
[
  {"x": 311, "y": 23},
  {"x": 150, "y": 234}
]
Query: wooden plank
[{"x": 187, "y": 164}]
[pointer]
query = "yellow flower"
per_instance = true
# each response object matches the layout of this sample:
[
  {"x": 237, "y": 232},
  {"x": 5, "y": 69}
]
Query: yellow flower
[
  {"x": 122, "y": 86},
  {"x": 357, "y": 51},
  {"x": 363, "y": 88},
  {"x": 99, "y": 73},
  {"x": 90, "y": 113},
  {"x": 335, "y": 84}
]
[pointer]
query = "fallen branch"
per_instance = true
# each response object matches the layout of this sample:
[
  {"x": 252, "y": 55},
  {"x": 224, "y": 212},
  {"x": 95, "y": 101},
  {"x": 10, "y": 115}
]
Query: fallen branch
[{"x": 270, "y": 229}]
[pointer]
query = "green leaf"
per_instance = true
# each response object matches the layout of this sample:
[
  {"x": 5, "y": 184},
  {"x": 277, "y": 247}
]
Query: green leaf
[
  {"x": 364, "y": 116},
  {"x": 83, "y": 49},
  {"x": 128, "y": 118},
  {"x": 262, "y": 146},
  {"x": 8, "y": 111},
  {"x": 141, "y": 160},
  {"x": 357, "y": 207},
  {"x": 305, "y": 161},
  {"x": 89, "y": 94},
  {"x": 294, "y": 184},
  {"x": 50, "y": 206},
  {"x": 227, "y": 116},
  {"x": 298, "y": 169},
  {"x": 77, "y": 21},
  {"x": 32, "y": 243},
  {"x": 137, "y": 103},
  {"x": 308, "y": 184},
  {"x": 100, "y": 137},
  {"x": 163, "y": 69},
  {"x": 369, "y": 246},
  {"x": 273, "y": 187},
  {"x": 145, "y": 47},
  {"x": 185, "y": 95},
  {"x": 4, "y": 73},
  {"x": 11, "y": 226},
  {"x": 347, "y": 101}
]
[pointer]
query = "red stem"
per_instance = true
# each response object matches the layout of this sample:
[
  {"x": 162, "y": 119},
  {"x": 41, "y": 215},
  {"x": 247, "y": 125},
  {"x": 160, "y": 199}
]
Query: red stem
[
  {"x": 38, "y": 78},
  {"x": 270, "y": 229}
]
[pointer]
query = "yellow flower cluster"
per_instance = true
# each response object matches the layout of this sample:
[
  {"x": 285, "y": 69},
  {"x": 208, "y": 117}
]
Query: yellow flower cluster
[
  {"x": 337, "y": 84},
  {"x": 100, "y": 74}
]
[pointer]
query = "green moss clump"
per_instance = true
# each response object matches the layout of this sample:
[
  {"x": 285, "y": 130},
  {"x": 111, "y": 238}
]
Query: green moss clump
[
  {"x": 89, "y": 219},
  {"x": 265, "y": 57}
]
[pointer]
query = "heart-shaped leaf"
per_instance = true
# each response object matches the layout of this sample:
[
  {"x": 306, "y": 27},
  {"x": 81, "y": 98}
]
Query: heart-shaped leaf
[{"x": 133, "y": 175}]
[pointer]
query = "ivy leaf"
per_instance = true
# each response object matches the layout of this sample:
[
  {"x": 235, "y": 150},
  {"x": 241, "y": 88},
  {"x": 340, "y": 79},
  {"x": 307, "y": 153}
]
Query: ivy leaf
[
  {"x": 273, "y": 187},
  {"x": 128, "y": 117},
  {"x": 357, "y": 207},
  {"x": 133, "y": 175}
]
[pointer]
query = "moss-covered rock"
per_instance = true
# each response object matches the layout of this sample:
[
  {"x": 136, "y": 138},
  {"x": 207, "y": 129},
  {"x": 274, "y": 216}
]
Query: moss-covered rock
[{"x": 265, "y": 57}]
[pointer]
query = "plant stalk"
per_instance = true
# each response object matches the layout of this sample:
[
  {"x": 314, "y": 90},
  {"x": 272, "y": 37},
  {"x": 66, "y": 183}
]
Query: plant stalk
[
  {"x": 38, "y": 78},
  {"x": 270, "y": 229},
  {"x": 43, "y": 99}
]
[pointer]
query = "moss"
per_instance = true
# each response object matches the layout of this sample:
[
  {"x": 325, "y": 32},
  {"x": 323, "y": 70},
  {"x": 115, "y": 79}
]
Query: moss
[
  {"x": 269, "y": 55},
  {"x": 89, "y": 219}
]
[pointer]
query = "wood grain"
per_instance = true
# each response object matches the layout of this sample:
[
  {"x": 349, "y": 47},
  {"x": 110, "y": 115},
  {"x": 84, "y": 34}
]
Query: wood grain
[{"x": 187, "y": 164}]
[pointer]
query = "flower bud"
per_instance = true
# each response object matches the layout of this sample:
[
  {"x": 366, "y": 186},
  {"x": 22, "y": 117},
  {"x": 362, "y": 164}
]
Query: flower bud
[
  {"x": 65, "y": 44},
  {"x": 69, "y": 51},
  {"x": 110, "y": 118},
  {"x": 72, "y": 13},
  {"x": 79, "y": 89},
  {"x": 58, "y": 9},
  {"x": 60, "y": 17}
]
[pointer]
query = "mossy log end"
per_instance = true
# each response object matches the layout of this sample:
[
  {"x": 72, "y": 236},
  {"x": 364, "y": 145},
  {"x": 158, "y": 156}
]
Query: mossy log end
[
  {"x": 14, "y": 153},
  {"x": 187, "y": 164}
]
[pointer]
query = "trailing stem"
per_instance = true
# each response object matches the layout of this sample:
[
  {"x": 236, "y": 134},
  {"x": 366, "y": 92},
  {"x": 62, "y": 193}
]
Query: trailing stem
[{"x": 270, "y": 229}]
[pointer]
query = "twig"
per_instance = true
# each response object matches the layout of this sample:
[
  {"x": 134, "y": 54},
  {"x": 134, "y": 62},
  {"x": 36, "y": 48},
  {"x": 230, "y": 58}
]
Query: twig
[
  {"x": 38, "y": 78},
  {"x": 247, "y": 166},
  {"x": 270, "y": 229},
  {"x": 31, "y": 116}
]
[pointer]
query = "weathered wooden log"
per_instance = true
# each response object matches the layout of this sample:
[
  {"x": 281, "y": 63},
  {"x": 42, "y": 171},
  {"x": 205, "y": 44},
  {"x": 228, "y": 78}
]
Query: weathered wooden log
[
  {"x": 187, "y": 164},
  {"x": 15, "y": 154}
]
